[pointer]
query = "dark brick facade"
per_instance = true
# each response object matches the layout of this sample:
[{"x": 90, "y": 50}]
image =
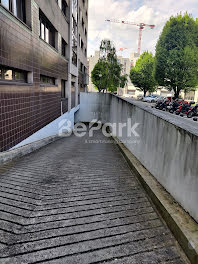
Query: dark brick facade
[{"x": 26, "y": 108}]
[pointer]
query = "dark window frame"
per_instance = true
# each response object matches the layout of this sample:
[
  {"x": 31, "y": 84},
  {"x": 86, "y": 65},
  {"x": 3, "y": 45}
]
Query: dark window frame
[
  {"x": 47, "y": 80},
  {"x": 64, "y": 48},
  {"x": 4, "y": 69},
  {"x": 74, "y": 58},
  {"x": 16, "y": 3},
  {"x": 49, "y": 30},
  {"x": 63, "y": 89},
  {"x": 64, "y": 7},
  {"x": 82, "y": 44}
]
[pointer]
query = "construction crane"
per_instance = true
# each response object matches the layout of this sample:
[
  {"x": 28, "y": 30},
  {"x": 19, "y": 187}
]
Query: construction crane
[
  {"x": 122, "y": 49},
  {"x": 140, "y": 25}
]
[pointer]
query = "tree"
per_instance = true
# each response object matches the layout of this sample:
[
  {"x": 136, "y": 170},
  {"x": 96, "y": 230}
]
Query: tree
[
  {"x": 99, "y": 75},
  {"x": 176, "y": 60},
  {"x": 123, "y": 80},
  {"x": 106, "y": 74},
  {"x": 108, "y": 51},
  {"x": 142, "y": 74}
]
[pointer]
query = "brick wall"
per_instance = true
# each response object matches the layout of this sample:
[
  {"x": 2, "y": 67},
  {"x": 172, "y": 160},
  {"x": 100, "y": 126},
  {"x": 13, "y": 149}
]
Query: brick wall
[{"x": 26, "y": 108}]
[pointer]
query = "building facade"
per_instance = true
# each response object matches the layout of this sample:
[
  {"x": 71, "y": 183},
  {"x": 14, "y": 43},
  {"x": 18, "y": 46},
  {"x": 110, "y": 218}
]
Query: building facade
[
  {"x": 39, "y": 62},
  {"x": 92, "y": 61},
  {"x": 127, "y": 64},
  {"x": 82, "y": 43}
]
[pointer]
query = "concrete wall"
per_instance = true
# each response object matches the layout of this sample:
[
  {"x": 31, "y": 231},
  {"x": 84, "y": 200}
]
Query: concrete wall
[{"x": 166, "y": 146}]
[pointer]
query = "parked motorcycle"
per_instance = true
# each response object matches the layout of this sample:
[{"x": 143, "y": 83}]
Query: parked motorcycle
[
  {"x": 184, "y": 108},
  {"x": 173, "y": 106},
  {"x": 163, "y": 104},
  {"x": 193, "y": 112},
  {"x": 159, "y": 103}
]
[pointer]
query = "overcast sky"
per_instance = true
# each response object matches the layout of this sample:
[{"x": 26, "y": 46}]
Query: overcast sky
[{"x": 141, "y": 11}]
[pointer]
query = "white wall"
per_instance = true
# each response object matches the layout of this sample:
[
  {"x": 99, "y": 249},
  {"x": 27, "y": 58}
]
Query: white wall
[{"x": 167, "y": 147}]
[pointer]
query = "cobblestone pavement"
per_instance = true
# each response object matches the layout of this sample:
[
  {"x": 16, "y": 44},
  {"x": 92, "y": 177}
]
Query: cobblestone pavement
[{"x": 77, "y": 202}]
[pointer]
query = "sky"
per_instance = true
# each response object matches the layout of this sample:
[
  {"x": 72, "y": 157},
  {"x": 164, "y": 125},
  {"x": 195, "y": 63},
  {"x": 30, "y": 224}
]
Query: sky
[{"x": 139, "y": 11}]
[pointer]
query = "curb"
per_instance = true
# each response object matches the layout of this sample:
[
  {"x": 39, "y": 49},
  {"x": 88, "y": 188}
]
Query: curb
[
  {"x": 10, "y": 155},
  {"x": 183, "y": 227}
]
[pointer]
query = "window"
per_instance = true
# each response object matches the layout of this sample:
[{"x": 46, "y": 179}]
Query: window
[
  {"x": 8, "y": 75},
  {"x": 17, "y": 7},
  {"x": 85, "y": 52},
  {"x": 82, "y": 44},
  {"x": 75, "y": 9},
  {"x": 81, "y": 67},
  {"x": 74, "y": 58},
  {"x": 74, "y": 26},
  {"x": 64, "y": 48},
  {"x": 47, "y": 31},
  {"x": 131, "y": 92},
  {"x": 47, "y": 80},
  {"x": 64, "y": 7},
  {"x": 83, "y": 24},
  {"x": 6, "y": 3},
  {"x": 74, "y": 31},
  {"x": 63, "y": 93},
  {"x": 11, "y": 74}
]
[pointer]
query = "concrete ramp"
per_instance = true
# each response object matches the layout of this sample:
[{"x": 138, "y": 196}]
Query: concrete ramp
[{"x": 77, "y": 201}]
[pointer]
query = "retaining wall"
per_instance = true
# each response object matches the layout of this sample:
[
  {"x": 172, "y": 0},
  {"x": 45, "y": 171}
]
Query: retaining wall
[{"x": 167, "y": 145}]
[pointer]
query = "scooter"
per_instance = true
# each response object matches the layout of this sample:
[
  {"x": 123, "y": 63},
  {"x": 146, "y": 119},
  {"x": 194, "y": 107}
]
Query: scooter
[
  {"x": 193, "y": 112},
  {"x": 163, "y": 106},
  {"x": 184, "y": 108},
  {"x": 173, "y": 106},
  {"x": 159, "y": 103}
]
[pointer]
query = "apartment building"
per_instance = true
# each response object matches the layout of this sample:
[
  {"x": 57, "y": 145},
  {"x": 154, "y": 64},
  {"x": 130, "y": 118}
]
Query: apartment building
[
  {"x": 40, "y": 62},
  {"x": 127, "y": 64},
  {"x": 82, "y": 42},
  {"x": 92, "y": 61}
]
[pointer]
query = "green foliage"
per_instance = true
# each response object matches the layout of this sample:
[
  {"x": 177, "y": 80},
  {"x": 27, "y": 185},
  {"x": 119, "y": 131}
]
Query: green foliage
[
  {"x": 123, "y": 80},
  {"x": 106, "y": 74},
  {"x": 176, "y": 60},
  {"x": 99, "y": 75},
  {"x": 142, "y": 74},
  {"x": 107, "y": 51}
]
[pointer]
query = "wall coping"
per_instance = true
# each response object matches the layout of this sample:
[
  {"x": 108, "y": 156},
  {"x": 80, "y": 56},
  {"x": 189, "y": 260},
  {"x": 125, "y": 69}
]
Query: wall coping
[{"x": 170, "y": 118}]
